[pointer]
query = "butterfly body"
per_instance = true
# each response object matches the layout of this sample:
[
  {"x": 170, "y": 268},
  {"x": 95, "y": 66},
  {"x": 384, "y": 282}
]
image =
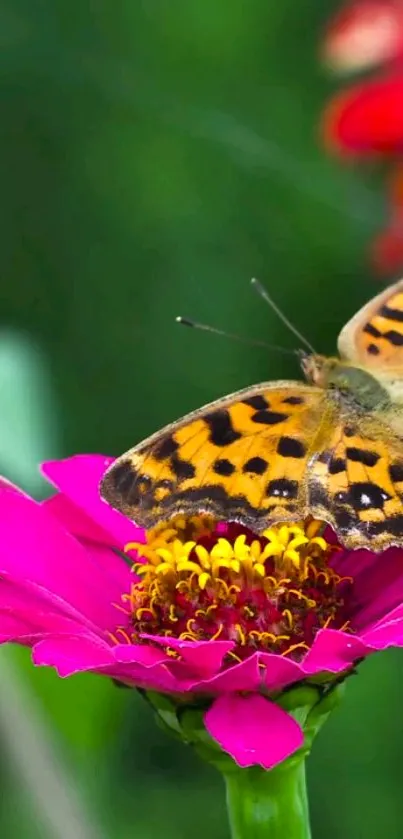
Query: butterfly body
[
  {"x": 349, "y": 383},
  {"x": 331, "y": 447}
]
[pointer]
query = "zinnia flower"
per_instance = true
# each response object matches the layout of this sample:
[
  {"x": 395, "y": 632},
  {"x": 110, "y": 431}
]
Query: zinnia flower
[{"x": 206, "y": 612}]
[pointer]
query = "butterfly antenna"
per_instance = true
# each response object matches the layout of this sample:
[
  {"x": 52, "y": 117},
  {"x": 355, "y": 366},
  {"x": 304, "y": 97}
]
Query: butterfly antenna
[
  {"x": 266, "y": 296},
  {"x": 206, "y": 328}
]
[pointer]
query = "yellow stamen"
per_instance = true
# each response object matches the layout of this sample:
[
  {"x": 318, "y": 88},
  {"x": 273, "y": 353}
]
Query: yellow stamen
[{"x": 195, "y": 580}]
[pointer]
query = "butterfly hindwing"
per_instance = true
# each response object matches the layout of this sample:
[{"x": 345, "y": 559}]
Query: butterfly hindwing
[
  {"x": 374, "y": 336},
  {"x": 242, "y": 458},
  {"x": 356, "y": 484}
]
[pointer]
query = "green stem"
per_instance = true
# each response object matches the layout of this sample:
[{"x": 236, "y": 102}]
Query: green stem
[{"x": 268, "y": 805}]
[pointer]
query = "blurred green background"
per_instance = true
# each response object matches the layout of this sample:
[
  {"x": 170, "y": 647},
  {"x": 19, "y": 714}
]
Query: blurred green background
[{"x": 156, "y": 154}]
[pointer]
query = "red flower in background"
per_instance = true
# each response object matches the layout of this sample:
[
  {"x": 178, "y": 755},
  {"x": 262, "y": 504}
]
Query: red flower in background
[
  {"x": 364, "y": 33},
  {"x": 365, "y": 121}
]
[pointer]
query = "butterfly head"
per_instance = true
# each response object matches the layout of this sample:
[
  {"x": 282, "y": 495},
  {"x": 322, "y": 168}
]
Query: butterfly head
[{"x": 317, "y": 369}]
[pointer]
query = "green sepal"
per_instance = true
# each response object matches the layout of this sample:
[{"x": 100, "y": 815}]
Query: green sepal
[{"x": 166, "y": 710}]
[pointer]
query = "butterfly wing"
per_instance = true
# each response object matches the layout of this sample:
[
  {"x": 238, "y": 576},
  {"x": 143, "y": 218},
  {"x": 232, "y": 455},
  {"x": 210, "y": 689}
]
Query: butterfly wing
[
  {"x": 374, "y": 336},
  {"x": 355, "y": 482},
  {"x": 242, "y": 458},
  {"x": 273, "y": 453}
]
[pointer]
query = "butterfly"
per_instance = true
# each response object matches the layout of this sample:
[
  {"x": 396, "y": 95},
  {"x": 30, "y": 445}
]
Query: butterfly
[{"x": 331, "y": 447}]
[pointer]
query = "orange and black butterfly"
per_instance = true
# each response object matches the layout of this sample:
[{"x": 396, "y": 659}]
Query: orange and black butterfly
[{"x": 279, "y": 451}]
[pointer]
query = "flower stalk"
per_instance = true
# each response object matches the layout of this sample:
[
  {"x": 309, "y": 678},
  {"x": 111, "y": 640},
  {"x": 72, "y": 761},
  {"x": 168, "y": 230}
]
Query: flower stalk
[
  {"x": 261, "y": 804},
  {"x": 268, "y": 805}
]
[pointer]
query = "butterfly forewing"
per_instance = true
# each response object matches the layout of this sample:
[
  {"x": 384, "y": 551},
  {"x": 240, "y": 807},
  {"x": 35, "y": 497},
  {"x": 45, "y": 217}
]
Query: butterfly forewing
[{"x": 242, "y": 458}]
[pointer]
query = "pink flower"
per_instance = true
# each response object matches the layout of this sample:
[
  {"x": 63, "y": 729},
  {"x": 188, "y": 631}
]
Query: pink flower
[{"x": 212, "y": 610}]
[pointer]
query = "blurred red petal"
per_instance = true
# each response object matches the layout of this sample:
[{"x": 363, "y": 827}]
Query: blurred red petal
[
  {"x": 367, "y": 119},
  {"x": 364, "y": 33}
]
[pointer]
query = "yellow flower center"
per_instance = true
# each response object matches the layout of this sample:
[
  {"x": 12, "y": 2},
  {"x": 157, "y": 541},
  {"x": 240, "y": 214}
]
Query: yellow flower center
[{"x": 199, "y": 579}]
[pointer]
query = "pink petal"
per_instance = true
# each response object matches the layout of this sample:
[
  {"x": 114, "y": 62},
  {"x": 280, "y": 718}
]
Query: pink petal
[
  {"x": 378, "y": 589},
  {"x": 114, "y": 569},
  {"x": 36, "y": 624},
  {"x": 353, "y": 563},
  {"x": 78, "y": 478},
  {"x": 385, "y": 635},
  {"x": 35, "y": 548},
  {"x": 244, "y": 676},
  {"x": 279, "y": 671},
  {"x": 39, "y": 608},
  {"x": 75, "y": 520},
  {"x": 138, "y": 654},
  {"x": 253, "y": 730},
  {"x": 203, "y": 656},
  {"x": 333, "y": 650},
  {"x": 72, "y": 655},
  {"x": 156, "y": 677},
  {"x": 395, "y": 614},
  {"x": 137, "y": 665},
  {"x": 92, "y": 536}
]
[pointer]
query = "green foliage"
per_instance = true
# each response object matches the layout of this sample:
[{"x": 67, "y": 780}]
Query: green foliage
[{"x": 154, "y": 157}]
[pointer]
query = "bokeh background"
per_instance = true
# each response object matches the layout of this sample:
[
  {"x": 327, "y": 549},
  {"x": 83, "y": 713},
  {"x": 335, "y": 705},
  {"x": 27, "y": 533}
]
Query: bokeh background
[{"x": 154, "y": 155}]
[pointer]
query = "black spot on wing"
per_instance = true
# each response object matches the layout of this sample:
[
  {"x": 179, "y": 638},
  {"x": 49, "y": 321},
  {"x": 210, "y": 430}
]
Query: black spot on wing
[
  {"x": 182, "y": 468},
  {"x": 395, "y": 338},
  {"x": 269, "y": 417},
  {"x": 349, "y": 431},
  {"x": 373, "y": 349},
  {"x": 290, "y": 447},
  {"x": 293, "y": 400},
  {"x": 363, "y": 496},
  {"x": 222, "y": 466},
  {"x": 370, "y": 329},
  {"x": 282, "y": 488},
  {"x": 258, "y": 402},
  {"x": 391, "y": 314},
  {"x": 256, "y": 465},
  {"x": 396, "y": 472},
  {"x": 165, "y": 448},
  {"x": 362, "y": 456},
  {"x": 222, "y": 431},
  {"x": 337, "y": 465}
]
